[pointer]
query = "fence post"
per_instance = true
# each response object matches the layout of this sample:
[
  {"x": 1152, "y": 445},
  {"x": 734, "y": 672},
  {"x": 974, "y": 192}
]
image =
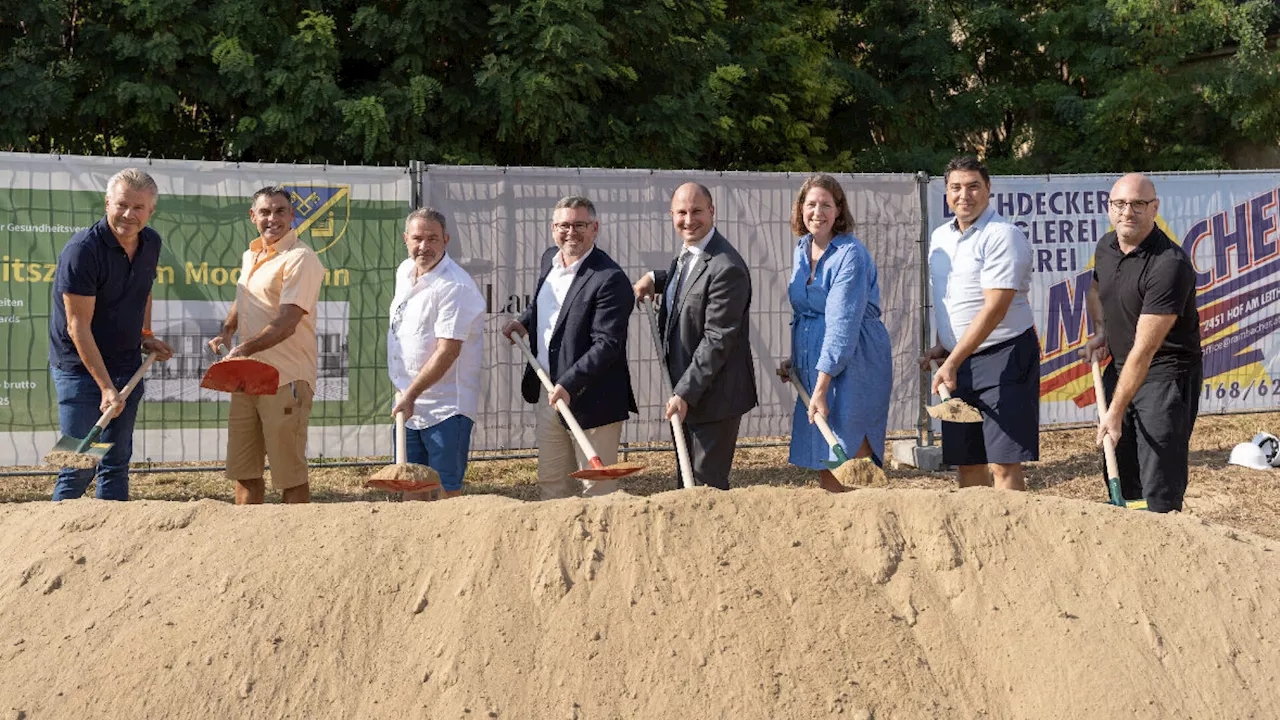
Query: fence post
[
  {"x": 415, "y": 181},
  {"x": 924, "y": 428}
]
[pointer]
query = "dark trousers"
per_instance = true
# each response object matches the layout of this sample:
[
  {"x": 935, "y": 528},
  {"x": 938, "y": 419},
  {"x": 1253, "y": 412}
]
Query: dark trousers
[
  {"x": 711, "y": 447},
  {"x": 1152, "y": 454},
  {"x": 78, "y": 399}
]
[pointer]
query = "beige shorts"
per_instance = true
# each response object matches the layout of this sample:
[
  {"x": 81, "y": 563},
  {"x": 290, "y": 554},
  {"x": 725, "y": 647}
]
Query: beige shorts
[{"x": 270, "y": 427}]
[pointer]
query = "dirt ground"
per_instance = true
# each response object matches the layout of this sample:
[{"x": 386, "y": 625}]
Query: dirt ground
[
  {"x": 775, "y": 601},
  {"x": 1069, "y": 467}
]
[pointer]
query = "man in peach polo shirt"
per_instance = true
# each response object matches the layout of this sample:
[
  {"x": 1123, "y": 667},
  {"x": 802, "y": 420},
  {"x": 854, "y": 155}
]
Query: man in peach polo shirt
[{"x": 275, "y": 314}]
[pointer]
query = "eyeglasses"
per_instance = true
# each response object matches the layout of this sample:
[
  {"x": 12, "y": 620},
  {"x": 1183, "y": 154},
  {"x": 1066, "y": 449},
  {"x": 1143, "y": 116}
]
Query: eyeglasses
[
  {"x": 1138, "y": 206},
  {"x": 564, "y": 227}
]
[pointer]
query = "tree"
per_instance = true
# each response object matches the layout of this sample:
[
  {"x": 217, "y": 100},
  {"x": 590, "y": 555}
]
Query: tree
[{"x": 872, "y": 85}]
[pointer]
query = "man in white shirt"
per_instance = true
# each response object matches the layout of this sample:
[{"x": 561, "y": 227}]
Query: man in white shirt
[
  {"x": 980, "y": 277},
  {"x": 578, "y": 322},
  {"x": 434, "y": 351}
]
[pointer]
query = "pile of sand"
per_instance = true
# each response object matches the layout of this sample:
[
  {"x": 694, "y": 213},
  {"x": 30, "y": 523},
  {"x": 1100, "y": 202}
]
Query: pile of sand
[{"x": 758, "y": 603}]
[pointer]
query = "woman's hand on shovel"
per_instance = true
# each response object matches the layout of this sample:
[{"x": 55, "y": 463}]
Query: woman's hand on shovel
[
  {"x": 784, "y": 371},
  {"x": 818, "y": 402}
]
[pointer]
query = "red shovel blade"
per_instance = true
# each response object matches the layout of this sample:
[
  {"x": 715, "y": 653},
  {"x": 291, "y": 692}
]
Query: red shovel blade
[
  {"x": 599, "y": 471},
  {"x": 243, "y": 375}
]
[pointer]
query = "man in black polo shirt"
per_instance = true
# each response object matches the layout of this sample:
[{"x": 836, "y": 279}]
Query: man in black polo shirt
[
  {"x": 1143, "y": 304},
  {"x": 100, "y": 317}
]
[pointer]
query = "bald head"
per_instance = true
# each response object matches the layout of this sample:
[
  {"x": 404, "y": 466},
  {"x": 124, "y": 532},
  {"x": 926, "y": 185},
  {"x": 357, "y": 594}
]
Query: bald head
[
  {"x": 697, "y": 189},
  {"x": 1135, "y": 182},
  {"x": 1133, "y": 208},
  {"x": 692, "y": 212}
]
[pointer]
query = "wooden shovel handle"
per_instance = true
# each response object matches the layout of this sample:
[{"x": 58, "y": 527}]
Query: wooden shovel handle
[
  {"x": 677, "y": 430},
  {"x": 402, "y": 441},
  {"x": 124, "y": 392},
  {"x": 943, "y": 392},
  {"x": 818, "y": 419},
  {"x": 1108, "y": 445},
  {"x": 561, "y": 405}
]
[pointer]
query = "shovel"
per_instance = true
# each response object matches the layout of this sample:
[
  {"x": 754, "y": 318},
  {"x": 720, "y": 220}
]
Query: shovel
[
  {"x": 848, "y": 472},
  {"x": 1109, "y": 449},
  {"x": 403, "y": 476},
  {"x": 677, "y": 431},
  {"x": 598, "y": 470},
  {"x": 241, "y": 375},
  {"x": 83, "y": 454},
  {"x": 952, "y": 409}
]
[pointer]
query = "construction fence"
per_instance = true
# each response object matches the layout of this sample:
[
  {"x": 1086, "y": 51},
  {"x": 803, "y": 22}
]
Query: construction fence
[{"x": 499, "y": 220}]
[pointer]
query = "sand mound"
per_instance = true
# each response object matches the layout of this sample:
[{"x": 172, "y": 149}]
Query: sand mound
[{"x": 759, "y": 603}]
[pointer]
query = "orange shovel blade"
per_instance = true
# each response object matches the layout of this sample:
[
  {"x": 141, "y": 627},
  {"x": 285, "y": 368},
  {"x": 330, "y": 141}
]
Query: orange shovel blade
[
  {"x": 243, "y": 375},
  {"x": 608, "y": 472}
]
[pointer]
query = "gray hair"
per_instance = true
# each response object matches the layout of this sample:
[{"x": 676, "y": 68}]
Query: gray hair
[
  {"x": 133, "y": 179},
  {"x": 573, "y": 202},
  {"x": 272, "y": 191},
  {"x": 426, "y": 213}
]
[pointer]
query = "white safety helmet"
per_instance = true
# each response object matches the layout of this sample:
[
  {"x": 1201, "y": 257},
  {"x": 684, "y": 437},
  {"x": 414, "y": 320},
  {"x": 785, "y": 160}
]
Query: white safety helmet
[
  {"x": 1270, "y": 445},
  {"x": 1246, "y": 454}
]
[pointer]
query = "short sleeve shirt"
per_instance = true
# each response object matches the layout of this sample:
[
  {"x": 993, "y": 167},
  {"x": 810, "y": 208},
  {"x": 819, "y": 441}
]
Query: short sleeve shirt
[
  {"x": 93, "y": 264},
  {"x": 1156, "y": 278},
  {"x": 272, "y": 276},
  {"x": 991, "y": 254},
  {"x": 443, "y": 303}
]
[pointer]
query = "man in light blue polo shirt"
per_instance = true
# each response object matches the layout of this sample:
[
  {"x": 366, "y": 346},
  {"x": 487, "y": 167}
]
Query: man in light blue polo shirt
[{"x": 980, "y": 277}]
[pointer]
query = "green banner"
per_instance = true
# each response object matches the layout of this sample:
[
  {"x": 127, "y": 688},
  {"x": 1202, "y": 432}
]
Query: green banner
[{"x": 358, "y": 241}]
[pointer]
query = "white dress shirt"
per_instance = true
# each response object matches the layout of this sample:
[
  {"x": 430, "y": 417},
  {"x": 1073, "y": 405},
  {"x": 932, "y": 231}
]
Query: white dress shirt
[
  {"x": 443, "y": 303},
  {"x": 551, "y": 298}
]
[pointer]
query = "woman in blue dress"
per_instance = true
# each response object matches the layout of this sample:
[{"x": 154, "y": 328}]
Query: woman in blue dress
[{"x": 839, "y": 347}]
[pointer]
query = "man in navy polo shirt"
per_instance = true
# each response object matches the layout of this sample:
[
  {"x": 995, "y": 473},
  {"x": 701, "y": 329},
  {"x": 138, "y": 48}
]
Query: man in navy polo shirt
[
  {"x": 1143, "y": 305},
  {"x": 100, "y": 317}
]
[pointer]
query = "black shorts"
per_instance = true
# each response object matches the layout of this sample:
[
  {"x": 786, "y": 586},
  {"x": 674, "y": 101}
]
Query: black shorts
[{"x": 1003, "y": 383}]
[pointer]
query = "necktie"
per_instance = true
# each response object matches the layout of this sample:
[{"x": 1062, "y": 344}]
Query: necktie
[
  {"x": 677, "y": 284},
  {"x": 681, "y": 264}
]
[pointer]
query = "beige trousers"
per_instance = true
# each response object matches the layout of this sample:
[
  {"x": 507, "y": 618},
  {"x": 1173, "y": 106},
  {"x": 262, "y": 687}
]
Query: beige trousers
[{"x": 559, "y": 455}]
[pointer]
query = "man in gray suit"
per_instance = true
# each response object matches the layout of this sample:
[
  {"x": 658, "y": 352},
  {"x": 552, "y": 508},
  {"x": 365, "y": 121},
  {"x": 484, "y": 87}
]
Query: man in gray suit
[{"x": 703, "y": 301}]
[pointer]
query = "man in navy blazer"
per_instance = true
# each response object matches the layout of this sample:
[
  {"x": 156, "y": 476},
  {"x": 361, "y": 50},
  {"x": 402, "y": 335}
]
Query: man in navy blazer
[
  {"x": 704, "y": 298},
  {"x": 578, "y": 323}
]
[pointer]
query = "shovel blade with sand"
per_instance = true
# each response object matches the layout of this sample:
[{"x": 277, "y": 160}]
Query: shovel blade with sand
[
  {"x": 404, "y": 476},
  {"x": 83, "y": 454},
  {"x": 856, "y": 472},
  {"x": 598, "y": 470},
  {"x": 1109, "y": 449},
  {"x": 684, "y": 465},
  {"x": 241, "y": 375},
  {"x": 952, "y": 409}
]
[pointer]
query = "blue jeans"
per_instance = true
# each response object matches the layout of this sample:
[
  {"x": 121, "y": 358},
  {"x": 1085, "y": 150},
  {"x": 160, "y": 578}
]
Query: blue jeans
[
  {"x": 443, "y": 447},
  {"x": 78, "y": 400}
]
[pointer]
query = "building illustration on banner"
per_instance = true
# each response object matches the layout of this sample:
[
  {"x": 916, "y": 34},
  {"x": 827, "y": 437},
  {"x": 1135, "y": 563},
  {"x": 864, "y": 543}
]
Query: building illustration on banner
[{"x": 188, "y": 325}]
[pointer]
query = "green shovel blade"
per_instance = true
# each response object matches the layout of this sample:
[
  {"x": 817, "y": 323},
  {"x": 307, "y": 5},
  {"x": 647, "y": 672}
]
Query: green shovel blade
[
  {"x": 1117, "y": 497},
  {"x": 841, "y": 457},
  {"x": 86, "y": 446}
]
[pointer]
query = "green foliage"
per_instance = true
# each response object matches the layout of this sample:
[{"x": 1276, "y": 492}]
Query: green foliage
[{"x": 870, "y": 85}]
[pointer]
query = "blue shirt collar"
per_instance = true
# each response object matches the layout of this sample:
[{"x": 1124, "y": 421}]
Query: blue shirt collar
[
  {"x": 839, "y": 240},
  {"x": 979, "y": 224}
]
